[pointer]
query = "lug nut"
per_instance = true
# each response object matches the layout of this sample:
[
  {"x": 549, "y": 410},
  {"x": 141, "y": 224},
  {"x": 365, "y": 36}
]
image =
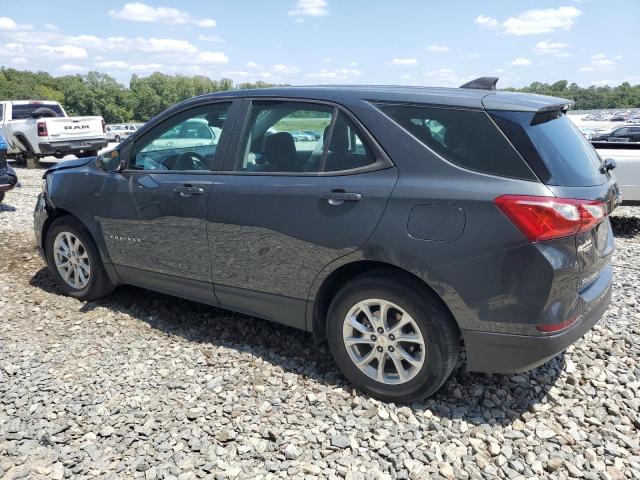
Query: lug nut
[
  {"x": 379, "y": 349},
  {"x": 380, "y": 330},
  {"x": 391, "y": 349},
  {"x": 373, "y": 338},
  {"x": 392, "y": 336}
]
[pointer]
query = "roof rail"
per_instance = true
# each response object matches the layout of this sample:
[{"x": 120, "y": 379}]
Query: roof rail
[{"x": 482, "y": 83}]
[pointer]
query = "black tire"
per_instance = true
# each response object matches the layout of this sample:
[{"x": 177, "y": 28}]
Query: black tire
[
  {"x": 99, "y": 284},
  {"x": 117, "y": 139},
  {"x": 438, "y": 328},
  {"x": 91, "y": 153}
]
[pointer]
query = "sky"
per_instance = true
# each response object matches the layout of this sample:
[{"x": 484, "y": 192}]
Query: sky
[{"x": 413, "y": 42}]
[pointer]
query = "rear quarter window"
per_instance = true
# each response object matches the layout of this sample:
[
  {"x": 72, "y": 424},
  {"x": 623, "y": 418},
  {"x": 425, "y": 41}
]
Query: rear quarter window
[{"x": 467, "y": 138}]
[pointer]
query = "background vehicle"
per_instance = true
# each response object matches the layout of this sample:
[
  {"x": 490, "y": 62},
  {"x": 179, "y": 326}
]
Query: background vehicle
[
  {"x": 401, "y": 231},
  {"x": 8, "y": 177},
  {"x": 628, "y": 133},
  {"x": 115, "y": 133},
  {"x": 35, "y": 129}
]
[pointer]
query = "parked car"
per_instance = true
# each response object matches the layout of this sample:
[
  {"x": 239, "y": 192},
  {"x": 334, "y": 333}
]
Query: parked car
[
  {"x": 8, "y": 177},
  {"x": 628, "y": 133},
  {"x": 115, "y": 133},
  {"x": 415, "y": 225},
  {"x": 42, "y": 128}
]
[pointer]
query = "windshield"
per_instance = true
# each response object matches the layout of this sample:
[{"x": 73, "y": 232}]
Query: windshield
[
  {"x": 20, "y": 112},
  {"x": 553, "y": 147}
]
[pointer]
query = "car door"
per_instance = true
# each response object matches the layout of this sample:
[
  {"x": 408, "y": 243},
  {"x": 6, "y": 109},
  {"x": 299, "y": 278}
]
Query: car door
[
  {"x": 284, "y": 208},
  {"x": 620, "y": 135},
  {"x": 153, "y": 221}
]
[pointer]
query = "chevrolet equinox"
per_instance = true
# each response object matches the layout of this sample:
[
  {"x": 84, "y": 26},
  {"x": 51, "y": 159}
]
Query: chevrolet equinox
[{"x": 405, "y": 223}]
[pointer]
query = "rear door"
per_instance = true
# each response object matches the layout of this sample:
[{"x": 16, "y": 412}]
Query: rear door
[{"x": 285, "y": 207}]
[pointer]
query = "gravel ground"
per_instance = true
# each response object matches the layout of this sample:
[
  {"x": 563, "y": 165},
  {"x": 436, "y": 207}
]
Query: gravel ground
[{"x": 143, "y": 385}]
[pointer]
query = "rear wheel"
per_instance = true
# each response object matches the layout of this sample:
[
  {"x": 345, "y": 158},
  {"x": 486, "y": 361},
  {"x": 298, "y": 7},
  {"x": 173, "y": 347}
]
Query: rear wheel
[
  {"x": 74, "y": 260},
  {"x": 391, "y": 337},
  {"x": 117, "y": 139}
]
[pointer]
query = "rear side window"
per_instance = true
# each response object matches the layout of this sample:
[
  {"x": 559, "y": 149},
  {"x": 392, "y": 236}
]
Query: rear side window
[
  {"x": 553, "y": 147},
  {"x": 467, "y": 138},
  {"x": 20, "y": 112}
]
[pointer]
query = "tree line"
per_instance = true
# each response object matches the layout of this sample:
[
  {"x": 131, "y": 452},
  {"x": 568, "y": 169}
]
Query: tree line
[{"x": 100, "y": 94}]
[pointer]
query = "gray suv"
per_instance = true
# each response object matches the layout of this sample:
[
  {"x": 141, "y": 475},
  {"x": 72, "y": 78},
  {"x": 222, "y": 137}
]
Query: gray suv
[{"x": 420, "y": 220}]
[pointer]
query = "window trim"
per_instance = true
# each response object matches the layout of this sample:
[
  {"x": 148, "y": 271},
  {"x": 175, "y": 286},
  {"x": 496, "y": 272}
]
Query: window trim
[
  {"x": 378, "y": 104},
  {"x": 382, "y": 159},
  {"x": 218, "y": 159}
]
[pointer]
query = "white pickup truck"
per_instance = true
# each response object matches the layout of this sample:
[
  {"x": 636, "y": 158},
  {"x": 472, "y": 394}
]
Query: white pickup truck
[{"x": 35, "y": 129}]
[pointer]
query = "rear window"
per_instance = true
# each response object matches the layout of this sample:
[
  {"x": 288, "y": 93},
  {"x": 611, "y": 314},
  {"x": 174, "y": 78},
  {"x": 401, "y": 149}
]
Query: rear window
[
  {"x": 20, "y": 112},
  {"x": 467, "y": 138},
  {"x": 553, "y": 147}
]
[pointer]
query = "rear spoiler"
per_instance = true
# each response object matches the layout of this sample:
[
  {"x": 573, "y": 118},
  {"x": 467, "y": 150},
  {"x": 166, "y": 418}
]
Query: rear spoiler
[{"x": 482, "y": 83}]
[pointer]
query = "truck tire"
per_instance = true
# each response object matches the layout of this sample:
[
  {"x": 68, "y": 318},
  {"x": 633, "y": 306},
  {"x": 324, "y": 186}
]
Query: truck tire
[{"x": 32, "y": 161}]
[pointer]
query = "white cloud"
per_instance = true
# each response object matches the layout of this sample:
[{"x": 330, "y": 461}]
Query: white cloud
[
  {"x": 599, "y": 62},
  {"x": 352, "y": 64},
  {"x": 313, "y": 8},
  {"x": 13, "y": 48},
  {"x": 551, "y": 48},
  {"x": 533, "y": 22},
  {"x": 113, "y": 65},
  {"x": 485, "y": 21},
  {"x": 71, "y": 68},
  {"x": 236, "y": 73},
  {"x": 51, "y": 26},
  {"x": 251, "y": 64},
  {"x": 212, "y": 58},
  {"x": 404, "y": 61},
  {"x": 19, "y": 61},
  {"x": 286, "y": 69},
  {"x": 520, "y": 62},
  {"x": 141, "y": 12},
  {"x": 472, "y": 55},
  {"x": 64, "y": 51},
  {"x": 210, "y": 38},
  {"x": 444, "y": 77},
  {"x": 539, "y": 21},
  {"x": 340, "y": 74},
  {"x": 327, "y": 60},
  {"x": 438, "y": 48},
  {"x": 164, "y": 45},
  {"x": 145, "y": 67},
  {"x": 8, "y": 24}
]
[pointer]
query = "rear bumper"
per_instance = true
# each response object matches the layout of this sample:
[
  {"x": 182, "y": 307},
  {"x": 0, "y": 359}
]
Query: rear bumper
[
  {"x": 8, "y": 179},
  {"x": 72, "y": 146},
  {"x": 490, "y": 352}
]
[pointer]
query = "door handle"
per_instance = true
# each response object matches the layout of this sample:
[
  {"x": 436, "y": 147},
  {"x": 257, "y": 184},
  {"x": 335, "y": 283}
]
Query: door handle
[
  {"x": 338, "y": 197},
  {"x": 188, "y": 190}
]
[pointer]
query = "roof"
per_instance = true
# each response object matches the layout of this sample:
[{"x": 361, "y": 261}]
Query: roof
[{"x": 458, "y": 97}]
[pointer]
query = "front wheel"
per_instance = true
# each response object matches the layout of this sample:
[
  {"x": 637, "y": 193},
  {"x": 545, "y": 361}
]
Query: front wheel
[
  {"x": 74, "y": 260},
  {"x": 391, "y": 337}
]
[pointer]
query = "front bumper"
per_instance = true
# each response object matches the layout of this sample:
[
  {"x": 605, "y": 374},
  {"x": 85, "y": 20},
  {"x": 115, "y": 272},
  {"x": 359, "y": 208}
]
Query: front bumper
[
  {"x": 40, "y": 216},
  {"x": 8, "y": 179},
  {"x": 490, "y": 352},
  {"x": 72, "y": 146}
]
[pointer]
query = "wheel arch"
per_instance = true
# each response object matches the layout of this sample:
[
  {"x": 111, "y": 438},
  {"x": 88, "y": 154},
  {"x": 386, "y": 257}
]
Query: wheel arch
[{"x": 332, "y": 283}]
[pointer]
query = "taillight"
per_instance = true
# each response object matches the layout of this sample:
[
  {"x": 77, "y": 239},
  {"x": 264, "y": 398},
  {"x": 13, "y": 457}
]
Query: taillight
[
  {"x": 104, "y": 126},
  {"x": 544, "y": 218},
  {"x": 42, "y": 129},
  {"x": 557, "y": 327}
]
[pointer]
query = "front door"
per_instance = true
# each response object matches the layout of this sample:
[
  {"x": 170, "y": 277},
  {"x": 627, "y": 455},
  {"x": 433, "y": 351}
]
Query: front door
[
  {"x": 305, "y": 187},
  {"x": 154, "y": 227}
]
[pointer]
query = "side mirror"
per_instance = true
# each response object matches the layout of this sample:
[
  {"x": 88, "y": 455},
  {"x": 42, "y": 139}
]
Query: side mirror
[
  {"x": 607, "y": 165},
  {"x": 110, "y": 161}
]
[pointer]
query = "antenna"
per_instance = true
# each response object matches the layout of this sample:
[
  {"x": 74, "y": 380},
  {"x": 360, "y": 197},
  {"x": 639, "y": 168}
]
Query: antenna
[{"x": 482, "y": 83}]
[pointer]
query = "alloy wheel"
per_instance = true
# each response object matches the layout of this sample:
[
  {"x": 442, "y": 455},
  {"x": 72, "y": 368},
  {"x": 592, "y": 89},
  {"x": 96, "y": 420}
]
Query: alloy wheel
[
  {"x": 72, "y": 260},
  {"x": 383, "y": 341}
]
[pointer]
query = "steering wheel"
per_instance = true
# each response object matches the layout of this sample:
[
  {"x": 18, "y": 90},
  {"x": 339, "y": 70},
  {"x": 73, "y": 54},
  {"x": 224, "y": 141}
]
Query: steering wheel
[{"x": 195, "y": 161}]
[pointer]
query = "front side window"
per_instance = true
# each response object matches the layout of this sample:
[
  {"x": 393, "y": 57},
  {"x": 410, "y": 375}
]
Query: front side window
[
  {"x": 298, "y": 137},
  {"x": 187, "y": 141},
  {"x": 467, "y": 138},
  {"x": 621, "y": 132}
]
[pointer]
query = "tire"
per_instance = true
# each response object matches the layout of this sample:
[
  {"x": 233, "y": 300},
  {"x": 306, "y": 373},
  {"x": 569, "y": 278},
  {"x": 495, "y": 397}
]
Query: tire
[
  {"x": 98, "y": 284},
  {"x": 1, "y": 196},
  {"x": 117, "y": 139},
  {"x": 435, "y": 328}
]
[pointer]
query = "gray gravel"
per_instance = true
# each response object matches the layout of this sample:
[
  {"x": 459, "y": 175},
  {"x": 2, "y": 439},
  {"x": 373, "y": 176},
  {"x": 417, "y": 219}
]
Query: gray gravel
[{"x": 143, "y": 385}]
